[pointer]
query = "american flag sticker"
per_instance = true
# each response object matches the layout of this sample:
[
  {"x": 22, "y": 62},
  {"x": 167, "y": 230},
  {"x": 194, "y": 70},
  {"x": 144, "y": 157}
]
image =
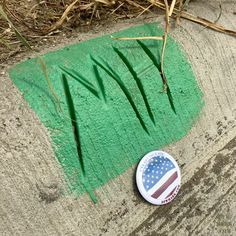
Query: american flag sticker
[{"x": 158, "y": 177}]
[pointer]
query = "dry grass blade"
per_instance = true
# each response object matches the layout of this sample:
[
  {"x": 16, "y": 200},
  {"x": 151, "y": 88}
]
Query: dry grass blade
[
  {"x": 117, "y": 8},
  {"x": 138, "y": 38},
  {"x": 43, "y": 66},
  {"x": 146, "y": 9},
  {"x": 207, "y": 23},
  {"x": 18, "y": 34},
  {"x": 179, "y": 13},
  {"x": 220, "y": 6},
  {"x": 165, "y": 84},
  {"x": 217, "y": 19},
  {"x": 5, "y": 44},
  {"x": 172, "y": 7},
  {"x": 196, "y": 19},
  {"x": 63, "y": 17},
  {"x": 164, "y": 39},
  {"x": 133, "y": 3},
  {"x": 106, "y": 2}
]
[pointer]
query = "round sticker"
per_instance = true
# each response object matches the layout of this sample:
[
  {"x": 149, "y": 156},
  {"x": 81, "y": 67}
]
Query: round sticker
[{"x": 158, "y": 177}]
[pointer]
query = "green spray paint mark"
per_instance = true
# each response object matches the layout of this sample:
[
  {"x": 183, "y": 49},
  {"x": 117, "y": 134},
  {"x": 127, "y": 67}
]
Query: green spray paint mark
[{"x": 107, "y": 87}]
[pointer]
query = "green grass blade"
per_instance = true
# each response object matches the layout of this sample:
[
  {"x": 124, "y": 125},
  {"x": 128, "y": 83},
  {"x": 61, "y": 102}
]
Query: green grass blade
[
  {"x": 138, "y": 82},
  {"x": 71, "y": 109},
  {"x": 100, "y": 83},
  {"x": 78, "y": 77},
  {"x": 18, "y": 34},
  {"x": 117, "y": 79}
]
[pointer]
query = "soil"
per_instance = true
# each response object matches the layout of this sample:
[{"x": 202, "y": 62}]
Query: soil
[
  {"x": 34, "y": 19},
  {"x": 33, "y": 198}
]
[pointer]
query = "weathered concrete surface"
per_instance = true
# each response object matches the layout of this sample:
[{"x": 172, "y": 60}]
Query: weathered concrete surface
[{"x": 32, "y": 193}]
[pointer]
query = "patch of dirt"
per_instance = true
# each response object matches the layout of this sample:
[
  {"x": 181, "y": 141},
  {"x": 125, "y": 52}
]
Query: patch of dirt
[
  {"x": 35, "y": 19},
  {"x": 49, "y": 193}
]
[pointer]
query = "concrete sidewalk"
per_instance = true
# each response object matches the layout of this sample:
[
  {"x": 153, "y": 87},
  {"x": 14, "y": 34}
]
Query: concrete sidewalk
[{"x": 32, "y": 189}]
